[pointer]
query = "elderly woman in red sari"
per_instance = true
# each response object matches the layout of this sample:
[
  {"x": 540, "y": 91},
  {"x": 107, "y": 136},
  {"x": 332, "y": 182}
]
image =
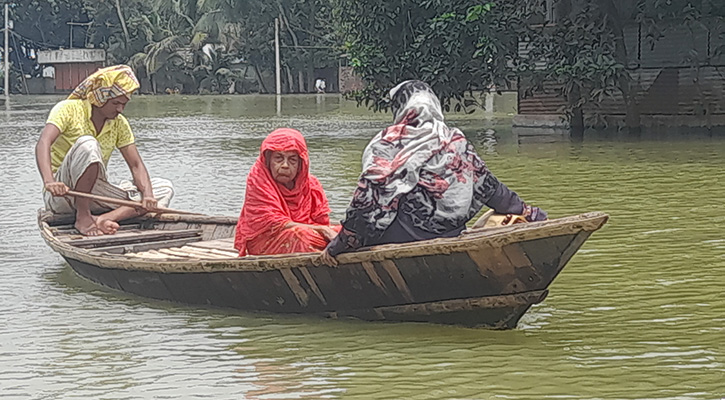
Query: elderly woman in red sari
[{"x": 285, "y": 208}]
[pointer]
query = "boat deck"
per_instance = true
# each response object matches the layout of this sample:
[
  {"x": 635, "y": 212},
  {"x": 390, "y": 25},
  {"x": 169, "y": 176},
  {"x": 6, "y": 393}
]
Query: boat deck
[
  {"x": 134, "y": 241},
  {"x": 203, "y": 250}
]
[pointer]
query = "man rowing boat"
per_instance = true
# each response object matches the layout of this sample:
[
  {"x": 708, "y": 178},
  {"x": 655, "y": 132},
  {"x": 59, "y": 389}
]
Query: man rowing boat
[{"x": 74, "y": 148}]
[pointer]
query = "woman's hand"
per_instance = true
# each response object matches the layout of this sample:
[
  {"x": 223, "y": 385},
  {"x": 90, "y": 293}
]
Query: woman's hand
[
  {"x": 327, "y": 259},
  {"x": 327, "y": 232}
]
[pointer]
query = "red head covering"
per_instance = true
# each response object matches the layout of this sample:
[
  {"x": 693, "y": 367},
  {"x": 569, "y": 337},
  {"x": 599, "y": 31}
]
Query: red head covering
[{"x": 268, "y": 205}]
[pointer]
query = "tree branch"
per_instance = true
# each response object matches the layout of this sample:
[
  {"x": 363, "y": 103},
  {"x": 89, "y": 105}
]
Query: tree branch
[{"x": 123, "y": 22}]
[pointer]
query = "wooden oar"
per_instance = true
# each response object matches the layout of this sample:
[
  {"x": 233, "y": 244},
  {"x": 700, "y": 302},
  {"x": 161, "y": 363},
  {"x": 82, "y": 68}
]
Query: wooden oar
[{"x": 127, "y": 203}]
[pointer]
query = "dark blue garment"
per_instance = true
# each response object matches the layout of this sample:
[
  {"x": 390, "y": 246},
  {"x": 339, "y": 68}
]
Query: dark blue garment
[
  {"x": 408, "y": 227},
  {"x": 402, "y": 230}
]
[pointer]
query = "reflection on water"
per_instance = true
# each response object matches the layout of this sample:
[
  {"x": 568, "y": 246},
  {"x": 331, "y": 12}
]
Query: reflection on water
[{"x": 637, "y": 314}]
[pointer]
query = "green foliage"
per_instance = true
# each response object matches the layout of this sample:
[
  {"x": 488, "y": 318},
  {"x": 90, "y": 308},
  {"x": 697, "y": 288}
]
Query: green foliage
[
  {"x": 458, "y": 47},
  {"x": 584, "y": 56},
  {"x": 463, "y": 46},
  {"x": 45, "y": 21},
  {"x": 656, "y": 16},
  {"x": 157, "y": 36}
]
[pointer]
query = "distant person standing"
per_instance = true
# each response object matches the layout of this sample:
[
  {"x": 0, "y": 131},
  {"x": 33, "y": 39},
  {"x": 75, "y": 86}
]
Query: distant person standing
[{"x": 320, "y": 85}]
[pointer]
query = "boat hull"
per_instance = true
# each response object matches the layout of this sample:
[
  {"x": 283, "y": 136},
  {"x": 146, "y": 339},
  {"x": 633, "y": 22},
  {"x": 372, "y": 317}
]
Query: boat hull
[
  {"x": 487, "y": 288},
  {"x": 218, "y": 290},
  {"x": 486, "y": 277}
]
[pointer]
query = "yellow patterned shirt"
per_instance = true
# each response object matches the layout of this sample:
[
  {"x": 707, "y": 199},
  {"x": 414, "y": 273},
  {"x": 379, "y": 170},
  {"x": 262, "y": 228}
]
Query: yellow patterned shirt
[{"x": 73, "y": 118}]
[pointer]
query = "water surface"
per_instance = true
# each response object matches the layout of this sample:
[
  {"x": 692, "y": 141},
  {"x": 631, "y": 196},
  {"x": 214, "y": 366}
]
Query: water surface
[{"x": 638, "y": 313}]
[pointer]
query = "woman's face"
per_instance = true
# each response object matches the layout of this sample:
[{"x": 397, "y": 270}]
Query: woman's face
[{"x": 284, "y": 166}]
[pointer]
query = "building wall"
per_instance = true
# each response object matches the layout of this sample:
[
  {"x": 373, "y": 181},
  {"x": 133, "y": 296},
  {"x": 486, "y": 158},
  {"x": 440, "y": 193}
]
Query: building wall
[
  {"x": 682, "y": 76},
  {"x": 68, "y": 76}
]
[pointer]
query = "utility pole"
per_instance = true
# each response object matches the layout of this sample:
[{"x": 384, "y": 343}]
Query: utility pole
[
  {"x": 6, "y": 56},
  {"x": 278, "y": 78}
]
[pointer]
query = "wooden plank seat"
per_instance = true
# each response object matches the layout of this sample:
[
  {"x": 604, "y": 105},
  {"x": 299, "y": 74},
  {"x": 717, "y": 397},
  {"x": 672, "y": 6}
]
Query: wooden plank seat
[
  {"x": 197, "y": 250},
  {"x": 184, "y": 252},
  {"x": 133, "y": 236},
  {"x": 146, "y": 246},
  {"x": 226, "y": 244}
]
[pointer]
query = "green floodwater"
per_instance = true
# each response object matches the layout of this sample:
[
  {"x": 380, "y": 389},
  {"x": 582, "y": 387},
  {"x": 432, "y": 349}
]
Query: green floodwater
[{"x": 638, "y": 313}]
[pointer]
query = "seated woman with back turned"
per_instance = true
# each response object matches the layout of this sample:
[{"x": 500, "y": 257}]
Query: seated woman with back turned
[
  {"x": 420, "y": 180},
  {"x": 285, "y": 208}
]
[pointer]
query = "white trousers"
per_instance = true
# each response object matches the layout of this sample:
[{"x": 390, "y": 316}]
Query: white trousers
[{"x": 85, "y": 152}]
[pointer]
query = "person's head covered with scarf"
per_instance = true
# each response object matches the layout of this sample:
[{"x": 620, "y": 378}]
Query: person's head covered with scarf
[
  {"x": 415, "y": 96},
  {"x": 275, "y": 198},
  {"x": 117, "y": 83}
]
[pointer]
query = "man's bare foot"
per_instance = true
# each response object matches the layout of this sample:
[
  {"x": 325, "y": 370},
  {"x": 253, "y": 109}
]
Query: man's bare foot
[
  {"x": 107, "y": 226},
  {"x": 87, "y": 227}
]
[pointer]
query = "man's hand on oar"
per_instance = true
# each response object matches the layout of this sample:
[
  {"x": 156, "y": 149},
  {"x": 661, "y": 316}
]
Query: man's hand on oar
[
  {"x": 149, "y": 204},
  {"x": 57, "y": 188}
]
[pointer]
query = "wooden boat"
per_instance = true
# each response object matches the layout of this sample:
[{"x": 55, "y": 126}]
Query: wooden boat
[{"x": 485, "y": 277}]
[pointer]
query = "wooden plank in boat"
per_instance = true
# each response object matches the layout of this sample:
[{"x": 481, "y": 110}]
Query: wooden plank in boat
[
  {"x": 130, "y": 238},
  {"x": 71, "y": 230},
  {"x": 77, "y": 236},
  {"x": 177, "y": 253},
  {"x": 191, "y": 253},
  {"x": 224, "y": 231},
  {"x": 226, "y": 253},
  {"x": 211, "y": 252},
  {"x": 202, "y": 253},
  {"x": 153, "y": 254},
  {"x": 139, "y": 247},
  {"x": 219, "y": 244},
  {"x": 186, "y": 252},
  {"x": 148, "y": 255},
  {"x": 430, "y": 277},
  {"x": 67, "y": 238}
]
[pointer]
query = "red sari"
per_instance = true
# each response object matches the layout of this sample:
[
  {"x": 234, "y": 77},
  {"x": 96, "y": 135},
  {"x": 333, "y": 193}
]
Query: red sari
[{"x": 270, "y": 206}]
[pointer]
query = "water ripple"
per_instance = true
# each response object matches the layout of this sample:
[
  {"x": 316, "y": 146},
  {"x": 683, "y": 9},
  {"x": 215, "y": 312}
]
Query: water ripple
[{"x": 637, "y": 314}]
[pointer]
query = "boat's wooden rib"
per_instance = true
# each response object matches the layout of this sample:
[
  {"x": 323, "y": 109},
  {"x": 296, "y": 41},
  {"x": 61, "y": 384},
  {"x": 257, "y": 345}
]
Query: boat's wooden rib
[{"x": 485, "y": 277}]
